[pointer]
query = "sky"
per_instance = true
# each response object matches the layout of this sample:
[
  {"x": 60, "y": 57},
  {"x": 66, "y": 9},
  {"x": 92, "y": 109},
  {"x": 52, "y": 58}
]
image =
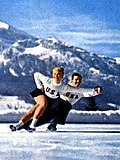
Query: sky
[{"x": 92, "y": 25}]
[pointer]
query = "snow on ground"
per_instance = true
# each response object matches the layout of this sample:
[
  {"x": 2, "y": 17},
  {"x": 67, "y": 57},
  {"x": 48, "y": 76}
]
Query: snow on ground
[
  {"x": 12, "y": 110},
  {"x": 70, "y": 142}
]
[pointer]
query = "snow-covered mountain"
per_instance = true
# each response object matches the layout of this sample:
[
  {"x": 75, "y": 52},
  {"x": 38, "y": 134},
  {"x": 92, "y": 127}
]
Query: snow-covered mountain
[
  {"x": 27, "y": 55},
  {"x": 9, "y": 35},
  {"x": 118, "y": 60}
]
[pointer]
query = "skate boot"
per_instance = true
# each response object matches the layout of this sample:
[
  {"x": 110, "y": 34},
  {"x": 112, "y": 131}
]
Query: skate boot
[
  {"x": 13, "y": 128},
  {"x": 52, "y": 127}
]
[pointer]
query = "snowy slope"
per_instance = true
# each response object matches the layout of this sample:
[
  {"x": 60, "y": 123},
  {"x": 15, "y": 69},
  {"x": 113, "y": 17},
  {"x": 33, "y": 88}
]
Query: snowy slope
[
  {"x": 117, "y": 60},
  {"x": 21, "y": 59},
  {"x": 12, "y": 109},
  {"x": 74, "y": 116},
  {"x": 9, "y": 35}
]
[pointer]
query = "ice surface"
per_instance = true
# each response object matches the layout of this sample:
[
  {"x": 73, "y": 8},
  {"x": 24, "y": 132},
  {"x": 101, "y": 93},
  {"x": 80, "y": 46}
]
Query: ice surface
[{"x": 71, "y": 142}]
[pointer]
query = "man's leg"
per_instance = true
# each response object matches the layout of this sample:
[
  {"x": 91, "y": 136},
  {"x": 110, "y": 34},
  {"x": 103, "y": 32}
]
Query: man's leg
[
  {"x": 60, "y": 114},
  {"x": 49, "y": 112}
]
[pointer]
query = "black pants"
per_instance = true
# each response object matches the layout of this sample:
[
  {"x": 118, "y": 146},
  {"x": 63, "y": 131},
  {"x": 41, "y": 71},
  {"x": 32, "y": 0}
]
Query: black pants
[{"x": 61, "y": 111}]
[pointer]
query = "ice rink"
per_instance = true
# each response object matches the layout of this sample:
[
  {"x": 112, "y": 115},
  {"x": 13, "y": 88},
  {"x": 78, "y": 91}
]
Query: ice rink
[{"x": 70, "y": 142}]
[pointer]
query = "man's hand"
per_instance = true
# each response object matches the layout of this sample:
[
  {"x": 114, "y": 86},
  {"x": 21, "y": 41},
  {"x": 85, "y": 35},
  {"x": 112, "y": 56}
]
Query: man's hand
[{"x": 98, "y": 89}]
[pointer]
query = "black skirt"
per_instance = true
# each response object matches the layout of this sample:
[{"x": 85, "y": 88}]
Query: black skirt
[{"x": 36, "y": 93}]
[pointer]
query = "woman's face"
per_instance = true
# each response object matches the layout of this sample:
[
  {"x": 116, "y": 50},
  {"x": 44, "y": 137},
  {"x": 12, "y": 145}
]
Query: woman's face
[{"x": 57, "y": 76}]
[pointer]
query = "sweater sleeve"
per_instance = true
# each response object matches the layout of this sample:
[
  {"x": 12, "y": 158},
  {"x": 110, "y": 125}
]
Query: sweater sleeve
[
  {"x": 85, "y": 92},
  {"x": 40, "y": 79},
  {"x": 90, "y": 93}
]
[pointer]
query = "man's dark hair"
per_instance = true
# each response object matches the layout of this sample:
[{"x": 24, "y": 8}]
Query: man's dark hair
[{"x": 76, "y": 74}]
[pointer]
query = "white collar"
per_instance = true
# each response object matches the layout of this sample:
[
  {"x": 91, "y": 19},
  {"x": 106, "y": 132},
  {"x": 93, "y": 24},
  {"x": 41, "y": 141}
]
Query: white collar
[{"x": 57, "y": 84}]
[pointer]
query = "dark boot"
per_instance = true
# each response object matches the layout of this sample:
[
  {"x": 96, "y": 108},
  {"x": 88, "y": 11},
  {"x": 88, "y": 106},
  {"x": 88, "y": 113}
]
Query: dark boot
[{"x": 52, "y": 127}]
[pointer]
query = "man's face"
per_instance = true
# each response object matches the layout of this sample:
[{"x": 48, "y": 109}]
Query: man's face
[
  {"x": 76, "y": 81},
  {"x": 57, "y": 76}
]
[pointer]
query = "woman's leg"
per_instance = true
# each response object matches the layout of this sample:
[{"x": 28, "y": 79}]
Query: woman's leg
[
  {"x": 35, "y": 112},
  {"x": 26, "y": 117},
  {"x": 42, "y": 104}
]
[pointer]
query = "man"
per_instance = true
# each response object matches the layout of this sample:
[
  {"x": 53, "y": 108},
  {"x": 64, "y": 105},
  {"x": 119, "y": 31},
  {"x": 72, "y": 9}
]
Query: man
[{"x": 72, "y": 98}]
